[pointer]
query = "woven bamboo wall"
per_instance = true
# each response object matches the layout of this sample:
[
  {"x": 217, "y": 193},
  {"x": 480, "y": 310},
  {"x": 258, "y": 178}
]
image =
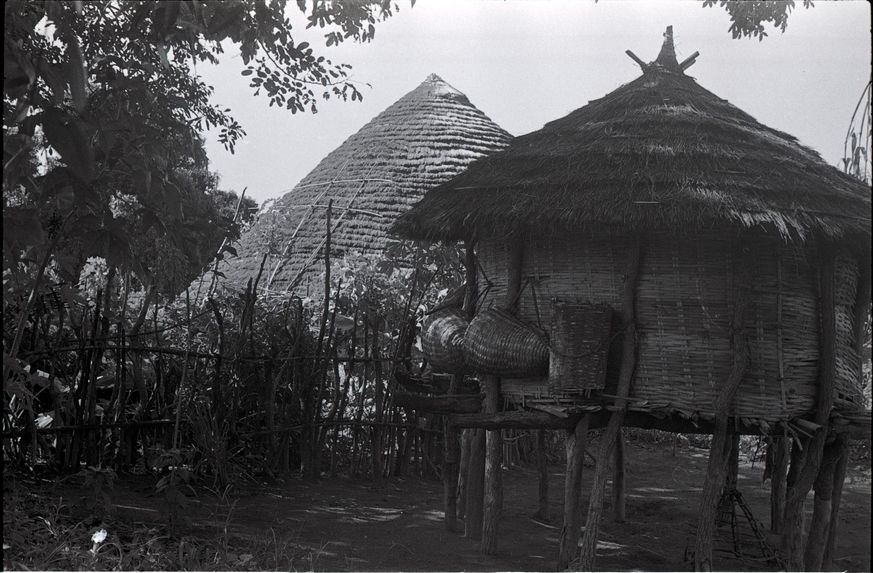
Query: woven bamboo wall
[{"x": 685, "y": 300}]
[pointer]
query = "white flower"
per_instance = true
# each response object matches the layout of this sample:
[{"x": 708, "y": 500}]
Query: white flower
[{"x": 98, "y": 538}]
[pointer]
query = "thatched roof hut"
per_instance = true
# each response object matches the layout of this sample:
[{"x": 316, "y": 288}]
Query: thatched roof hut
[
  {"x": 428, "y": 136},
  {"x": 716, "y": 202},
  {"x": 659, "y": 258}
]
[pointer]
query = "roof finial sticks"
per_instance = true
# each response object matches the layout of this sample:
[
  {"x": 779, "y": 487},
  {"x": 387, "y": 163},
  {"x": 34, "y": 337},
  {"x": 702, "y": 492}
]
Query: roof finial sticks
[{"x": 667, "y": 57}]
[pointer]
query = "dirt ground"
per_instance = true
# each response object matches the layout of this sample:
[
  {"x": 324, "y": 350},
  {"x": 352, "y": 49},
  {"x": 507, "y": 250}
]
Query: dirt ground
[{"x": 343, "y": 525}]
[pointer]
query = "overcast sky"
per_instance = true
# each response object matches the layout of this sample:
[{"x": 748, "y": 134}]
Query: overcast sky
[{"x": 526, "y": 62}]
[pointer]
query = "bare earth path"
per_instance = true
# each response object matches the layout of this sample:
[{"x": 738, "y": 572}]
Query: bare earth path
[{"x": 339, "y": 524}]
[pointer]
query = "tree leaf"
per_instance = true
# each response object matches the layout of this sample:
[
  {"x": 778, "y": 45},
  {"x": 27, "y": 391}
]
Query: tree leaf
[
  {"x": 77, "y": 77},
  {"x": 22, "y": 227},
  {"x": 67, "y": 136}
]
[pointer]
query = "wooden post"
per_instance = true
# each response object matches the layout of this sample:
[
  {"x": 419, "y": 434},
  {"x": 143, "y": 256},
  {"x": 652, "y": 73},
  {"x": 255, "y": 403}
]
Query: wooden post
[
  {"x": 493, "y": 503},
  {"x": 475, "y": 486},
  {"x": 463, "y": 470},
  {"x": 618, "y": 489},
  {"x": 470, "y": 469},
  {"x": 802, "y": 474},
  {"x": 543, "y": 471},
  {"x": 839, "y": 477},
  {"x": 777, "y": 452},
  {"x": 720, "y": 450},
  {"x": 822, "y": 508},
  {"x": 450, "y": 464},
  {"x": 588, "y": 551},
  {"x": 862, "y": 310},
  {"x": 493, "y": 506},
  {"x": 575, "y": 448}
]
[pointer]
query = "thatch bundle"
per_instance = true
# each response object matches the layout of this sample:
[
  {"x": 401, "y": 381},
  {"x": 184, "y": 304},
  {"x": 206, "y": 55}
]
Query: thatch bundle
[
  {"x": 425, "y": 138},
  {"x": 721, "y": 206}
]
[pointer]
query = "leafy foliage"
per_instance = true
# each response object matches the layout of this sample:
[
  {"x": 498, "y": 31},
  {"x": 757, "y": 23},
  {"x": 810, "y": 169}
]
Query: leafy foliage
[
  {"x": 102, "y": 103},
  {"x": 749, "y": 16}
]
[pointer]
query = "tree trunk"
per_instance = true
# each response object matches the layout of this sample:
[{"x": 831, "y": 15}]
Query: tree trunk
[{"x": 575, "y": 449}]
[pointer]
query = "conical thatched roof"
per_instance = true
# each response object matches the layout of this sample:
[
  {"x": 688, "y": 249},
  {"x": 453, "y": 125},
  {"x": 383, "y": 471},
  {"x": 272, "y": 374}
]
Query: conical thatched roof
[
  {"x": 428, "y": 136},
  {"x": 660, "y": 152}
]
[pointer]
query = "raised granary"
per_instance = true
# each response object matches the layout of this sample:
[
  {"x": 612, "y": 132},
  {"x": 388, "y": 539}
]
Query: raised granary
[{"x": 686, "y": 267}]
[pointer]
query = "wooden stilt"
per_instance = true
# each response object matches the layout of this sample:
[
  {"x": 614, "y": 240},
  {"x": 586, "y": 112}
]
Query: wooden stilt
[
  {"x": 575, "y": 449},
  {"x": 720, "y": 450},
  {"x": 777, "y": 452},
  {"x": 463, "y": 468},
  {"x": 494, "y": 438},
  {"x": 450, "y": 465},
  {"x": 472, "y": 463},
  {"x": 587, "y": 552},
  {"x": 493, "y": 504},
  {"x": 801, "y": 478},
  {"x": 861, "y": 314},
  {"x": 543, "y": 472},
  {"x": 822, "y": 508},
  {"x": 618, "y": 473},
  {"x": 839, "y": 478},
  {"x": 475, "y": 486}
]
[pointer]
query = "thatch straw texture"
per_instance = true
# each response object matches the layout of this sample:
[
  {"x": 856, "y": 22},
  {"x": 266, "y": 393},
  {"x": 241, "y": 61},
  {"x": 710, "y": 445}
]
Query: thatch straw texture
[
  {"x": 428, "y": 136},
  {"x": 685, "y": 298},
  {"x": 659, "y": 153}
]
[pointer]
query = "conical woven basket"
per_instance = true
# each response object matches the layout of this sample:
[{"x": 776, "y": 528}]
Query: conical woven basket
[
  {"x": 498, "y": 343},
  {"x": 442, "y": 339}
]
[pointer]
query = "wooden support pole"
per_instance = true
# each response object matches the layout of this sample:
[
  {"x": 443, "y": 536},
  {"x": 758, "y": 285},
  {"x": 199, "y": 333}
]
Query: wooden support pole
[
  {"x": 463, "y": 471},
  {"x": 446, "y": 404},
  {"x": 822, "y": 508},
  {"x": 720, "y": 450},
  {"x": 475, "y": 475},
  {"x": 475, "y": 486},
  {"x": 493, "y": 504},
  {"x": 627, "y": 369},
  {"x": 450, "y": 464},
  {"x": 618, "y": 474},
  {"x": 802, "y": 474},
  {"x": 516, "y": 419},
  {"x": 839, "y": 478},
  {"x": 575, "y": 449},
  {"x": 777, "y": 454},
  {"x": 543, "y": 473}
]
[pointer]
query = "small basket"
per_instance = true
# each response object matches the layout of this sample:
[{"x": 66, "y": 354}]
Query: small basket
[
  {"x": 580, "y": 337},
  {"x": 442, "y": 339},
  {"x": 497, "y": 343}
]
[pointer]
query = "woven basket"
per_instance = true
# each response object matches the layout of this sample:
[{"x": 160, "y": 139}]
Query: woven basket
[
  {"x": 580, "y": 336},
  {"x": 442, "y": 339},
  {"x": 498, "y": 343}
]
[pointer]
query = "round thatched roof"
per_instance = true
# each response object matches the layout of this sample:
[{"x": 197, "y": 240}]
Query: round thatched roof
[
  {"x": 660, "y": 152},
  {"x": 428, "y": 136}
]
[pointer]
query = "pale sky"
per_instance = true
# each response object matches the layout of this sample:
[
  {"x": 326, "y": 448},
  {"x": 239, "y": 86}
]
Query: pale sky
[{"x": 526, "y": 62}]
